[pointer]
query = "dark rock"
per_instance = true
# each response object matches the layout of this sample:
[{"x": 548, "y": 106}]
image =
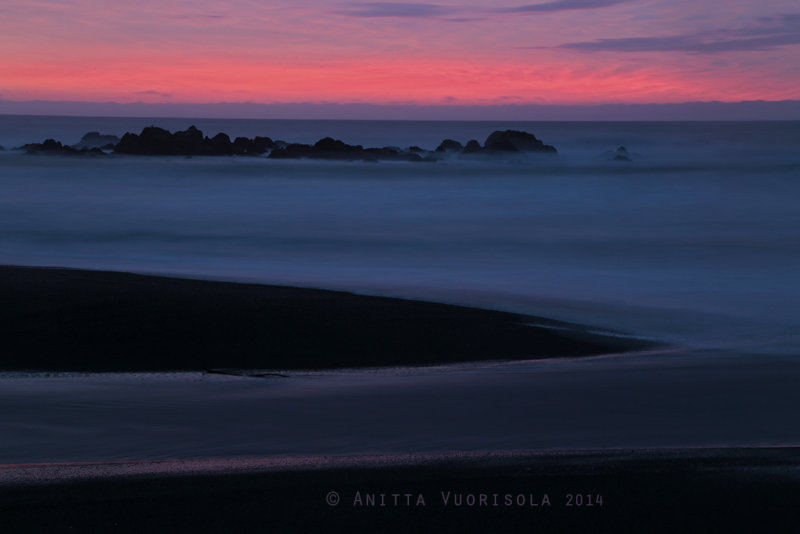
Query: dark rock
[
  {"x": 621, "y": 155},
  {"x": 156, "y": 140},
  {"x": 187, "y": 142},
  {"x": 516, "y": 141},
  {"x": 329, "y": 148},
  {"x": 472, "y": 147},
  {"x": 96, "y": 140},
  {"x": 379, "y": 152},
  {"x": 219, "y": 145},
  {"x": 240, "y": 145},
  {"x": 190, "y": 142},
  {"x": 292, "y": 150},
  {"x": 252, "y": 147},
  {"x": 259, "y": 145},
  {"x": 160, "y": 142},
  {"x": 390, "y": 153},
  {"x": 129, "y": 144},
  {"x": 329, "y": 144},
  {"x": 1, "y": 148},
  {"x": 51, "y": 146},
  {"x": 152, "y": 140},
  {"x": 448, "y": 145}
]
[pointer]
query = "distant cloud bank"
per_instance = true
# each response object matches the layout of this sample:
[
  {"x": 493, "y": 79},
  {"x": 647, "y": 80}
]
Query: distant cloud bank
[{"x": 766, "y": 33}]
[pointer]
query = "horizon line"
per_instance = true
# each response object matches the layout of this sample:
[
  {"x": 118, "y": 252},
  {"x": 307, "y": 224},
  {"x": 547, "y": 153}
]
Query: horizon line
[{"x": 746, "y": 110}]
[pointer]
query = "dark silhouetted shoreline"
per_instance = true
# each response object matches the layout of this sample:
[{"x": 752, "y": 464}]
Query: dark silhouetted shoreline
[{"x": 78, "y": 320}]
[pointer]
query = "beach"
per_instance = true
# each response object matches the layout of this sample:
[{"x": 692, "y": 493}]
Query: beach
[
  {"x": 126, "y": 451},
  {"x": 381, "y": 266},
  {"x": 216, "y": 344}
]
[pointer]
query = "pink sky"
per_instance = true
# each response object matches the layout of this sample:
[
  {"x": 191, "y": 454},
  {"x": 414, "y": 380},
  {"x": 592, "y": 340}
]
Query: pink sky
[{"x": 444, "y": 52}]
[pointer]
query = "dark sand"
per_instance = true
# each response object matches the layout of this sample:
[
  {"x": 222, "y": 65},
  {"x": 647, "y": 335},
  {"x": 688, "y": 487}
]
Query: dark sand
[
  {"x": 700, "y": 490},
  {"x": 72, "y": 320},
  {"x": 77, "y": 320}
]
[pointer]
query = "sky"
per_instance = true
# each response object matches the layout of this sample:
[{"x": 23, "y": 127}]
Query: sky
[{"x": 460, "y": 53}]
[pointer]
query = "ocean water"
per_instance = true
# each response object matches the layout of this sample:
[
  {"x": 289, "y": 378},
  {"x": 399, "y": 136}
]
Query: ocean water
[{"x": 696, "y": 243}]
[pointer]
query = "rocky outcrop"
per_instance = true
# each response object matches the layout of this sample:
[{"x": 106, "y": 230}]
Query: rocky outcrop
[
  {"x": 53, "y": 147},
  {"x": 158, "y": 141},
  {"x": 507, "y": 141},
  {"x": 256, "y": 146},
  {"x": 516, "y": 141},
  {"x": 329, "y": 148},
  {"x": 219, "y": 145},
  {"x": 154, "y": 140},
  {"x": 621, "y": 155},
  {"x": 291, "y": 150},
  {"x": 472, "y": 147},
  {"x": 190, "y": 142},
  {"x": 96, "y": 140},
  {"x": 448, "y": 145}
]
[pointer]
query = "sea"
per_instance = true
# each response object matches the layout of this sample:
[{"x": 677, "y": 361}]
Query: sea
[{"x": 695, "y": 243}]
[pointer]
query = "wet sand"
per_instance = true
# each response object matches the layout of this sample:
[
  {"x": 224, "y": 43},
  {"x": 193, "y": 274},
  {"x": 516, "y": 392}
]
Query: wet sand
[
  {"x": 76, "y": 320},
  {"x": 672, "y": 490}
]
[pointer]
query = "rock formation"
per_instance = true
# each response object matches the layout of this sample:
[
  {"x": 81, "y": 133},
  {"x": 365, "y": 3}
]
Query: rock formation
[
  {"x": 516, "y": 141},
  {"x": 51, "y": 146},
  {"x": 96, "y": 140},
  {"x": 191, "y": 142},
  {"x": 621, "y": 155},
  {"x": 329, "y": 148},
  {"x": 448, "y": 145},
  {"x": 472, "y": 147}
]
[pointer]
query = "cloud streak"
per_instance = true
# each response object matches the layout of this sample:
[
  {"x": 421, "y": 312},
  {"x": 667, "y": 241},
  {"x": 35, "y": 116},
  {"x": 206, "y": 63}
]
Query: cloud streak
[
  {"x": 418, "y": 10},
  {"x": 769, "y": 33},
  {"x": 150, "y": 92},
  {"x": 396, "y": 10},
  {"x": 561, "y": 5}
]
